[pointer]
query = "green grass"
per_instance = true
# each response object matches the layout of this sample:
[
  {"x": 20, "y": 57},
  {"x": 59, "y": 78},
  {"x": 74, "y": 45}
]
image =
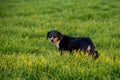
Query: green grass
[{"x": 26, "y": 54}]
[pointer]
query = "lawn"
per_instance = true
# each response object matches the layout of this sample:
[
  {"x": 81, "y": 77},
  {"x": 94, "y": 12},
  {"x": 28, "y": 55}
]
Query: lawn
[{"x": 26, "y": 54}]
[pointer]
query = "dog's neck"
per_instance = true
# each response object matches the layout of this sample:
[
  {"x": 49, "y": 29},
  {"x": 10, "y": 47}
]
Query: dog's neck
[{"x": 57, "y": 43}]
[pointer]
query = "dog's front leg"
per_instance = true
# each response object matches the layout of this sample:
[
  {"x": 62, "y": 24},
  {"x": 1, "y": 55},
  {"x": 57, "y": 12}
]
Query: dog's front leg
[{"x": 60, "y": 51}]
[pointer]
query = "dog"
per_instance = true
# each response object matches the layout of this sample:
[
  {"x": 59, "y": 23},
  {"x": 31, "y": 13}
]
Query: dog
[{"x": 67, "y": 43}]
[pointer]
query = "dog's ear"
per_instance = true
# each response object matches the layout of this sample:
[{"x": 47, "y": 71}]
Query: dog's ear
[
  {"x": 47, "y": 35},
  {"x": 61, "y": 37}
]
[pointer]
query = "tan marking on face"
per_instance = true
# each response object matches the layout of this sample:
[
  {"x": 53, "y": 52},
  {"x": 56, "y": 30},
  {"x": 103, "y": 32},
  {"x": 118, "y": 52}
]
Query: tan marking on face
[{"x": 55, "y": 39}]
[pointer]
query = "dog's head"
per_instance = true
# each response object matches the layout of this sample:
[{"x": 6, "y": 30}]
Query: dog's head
[{"x": 54, "y": 36}]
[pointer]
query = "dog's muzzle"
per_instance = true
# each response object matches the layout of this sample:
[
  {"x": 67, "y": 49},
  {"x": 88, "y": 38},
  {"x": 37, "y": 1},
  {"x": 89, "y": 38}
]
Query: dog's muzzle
[{"x": 51, "y": 40}]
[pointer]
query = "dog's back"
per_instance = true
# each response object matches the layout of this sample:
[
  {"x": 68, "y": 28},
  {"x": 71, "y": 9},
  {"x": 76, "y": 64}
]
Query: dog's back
[
  {"x": 80, "y": 43},
  {"x": 83, "y": 44},
  {"x": 64, "y": 43}
]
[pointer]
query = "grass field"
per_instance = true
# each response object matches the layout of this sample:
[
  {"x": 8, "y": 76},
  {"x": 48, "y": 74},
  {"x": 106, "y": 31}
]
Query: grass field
[{"x": 26, "y": 54}]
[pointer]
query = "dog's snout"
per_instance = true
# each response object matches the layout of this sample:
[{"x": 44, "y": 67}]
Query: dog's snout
[{"x": 51, "y": 40}]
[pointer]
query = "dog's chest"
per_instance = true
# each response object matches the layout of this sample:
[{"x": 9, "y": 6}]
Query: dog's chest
[{"x": 57, "y": 44}]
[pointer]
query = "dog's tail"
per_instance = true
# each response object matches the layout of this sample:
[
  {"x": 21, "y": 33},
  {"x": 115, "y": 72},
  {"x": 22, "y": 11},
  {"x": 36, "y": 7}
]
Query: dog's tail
[{"x": 96, "y": 54}]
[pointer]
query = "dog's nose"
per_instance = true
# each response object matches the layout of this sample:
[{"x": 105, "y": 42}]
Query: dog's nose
[{"x": 51, "y": 40}]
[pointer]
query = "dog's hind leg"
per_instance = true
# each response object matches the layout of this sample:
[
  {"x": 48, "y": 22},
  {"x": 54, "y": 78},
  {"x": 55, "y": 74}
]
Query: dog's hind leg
[
  {"x": 71, "y": 52},
  {"x": 89, "y": 50}
]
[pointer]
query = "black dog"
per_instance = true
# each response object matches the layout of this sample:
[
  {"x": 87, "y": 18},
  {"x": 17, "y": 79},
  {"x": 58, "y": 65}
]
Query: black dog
[{"x": 68, "y": 43}]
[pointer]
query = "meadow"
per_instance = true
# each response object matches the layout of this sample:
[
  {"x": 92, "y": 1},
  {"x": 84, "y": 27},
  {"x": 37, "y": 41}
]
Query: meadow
[{"x": 25, "y": 54}]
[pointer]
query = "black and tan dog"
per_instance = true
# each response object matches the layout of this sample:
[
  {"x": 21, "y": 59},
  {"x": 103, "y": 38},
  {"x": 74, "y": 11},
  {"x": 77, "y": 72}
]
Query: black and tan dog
[{"x": 67, "y": 43}]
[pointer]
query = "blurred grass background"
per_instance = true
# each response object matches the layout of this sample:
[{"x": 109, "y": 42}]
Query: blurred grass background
[{"x": 26, "y": 54}]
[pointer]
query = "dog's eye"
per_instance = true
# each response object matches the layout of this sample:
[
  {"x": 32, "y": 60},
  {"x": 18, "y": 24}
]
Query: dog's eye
[
  {"x": 55, "y": 36},
  {"x": 50, "y": 35}
]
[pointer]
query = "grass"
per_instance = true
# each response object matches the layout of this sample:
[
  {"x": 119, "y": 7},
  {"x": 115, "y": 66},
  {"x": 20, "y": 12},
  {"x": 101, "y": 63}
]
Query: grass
[{"x": 26, "y": 54}]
